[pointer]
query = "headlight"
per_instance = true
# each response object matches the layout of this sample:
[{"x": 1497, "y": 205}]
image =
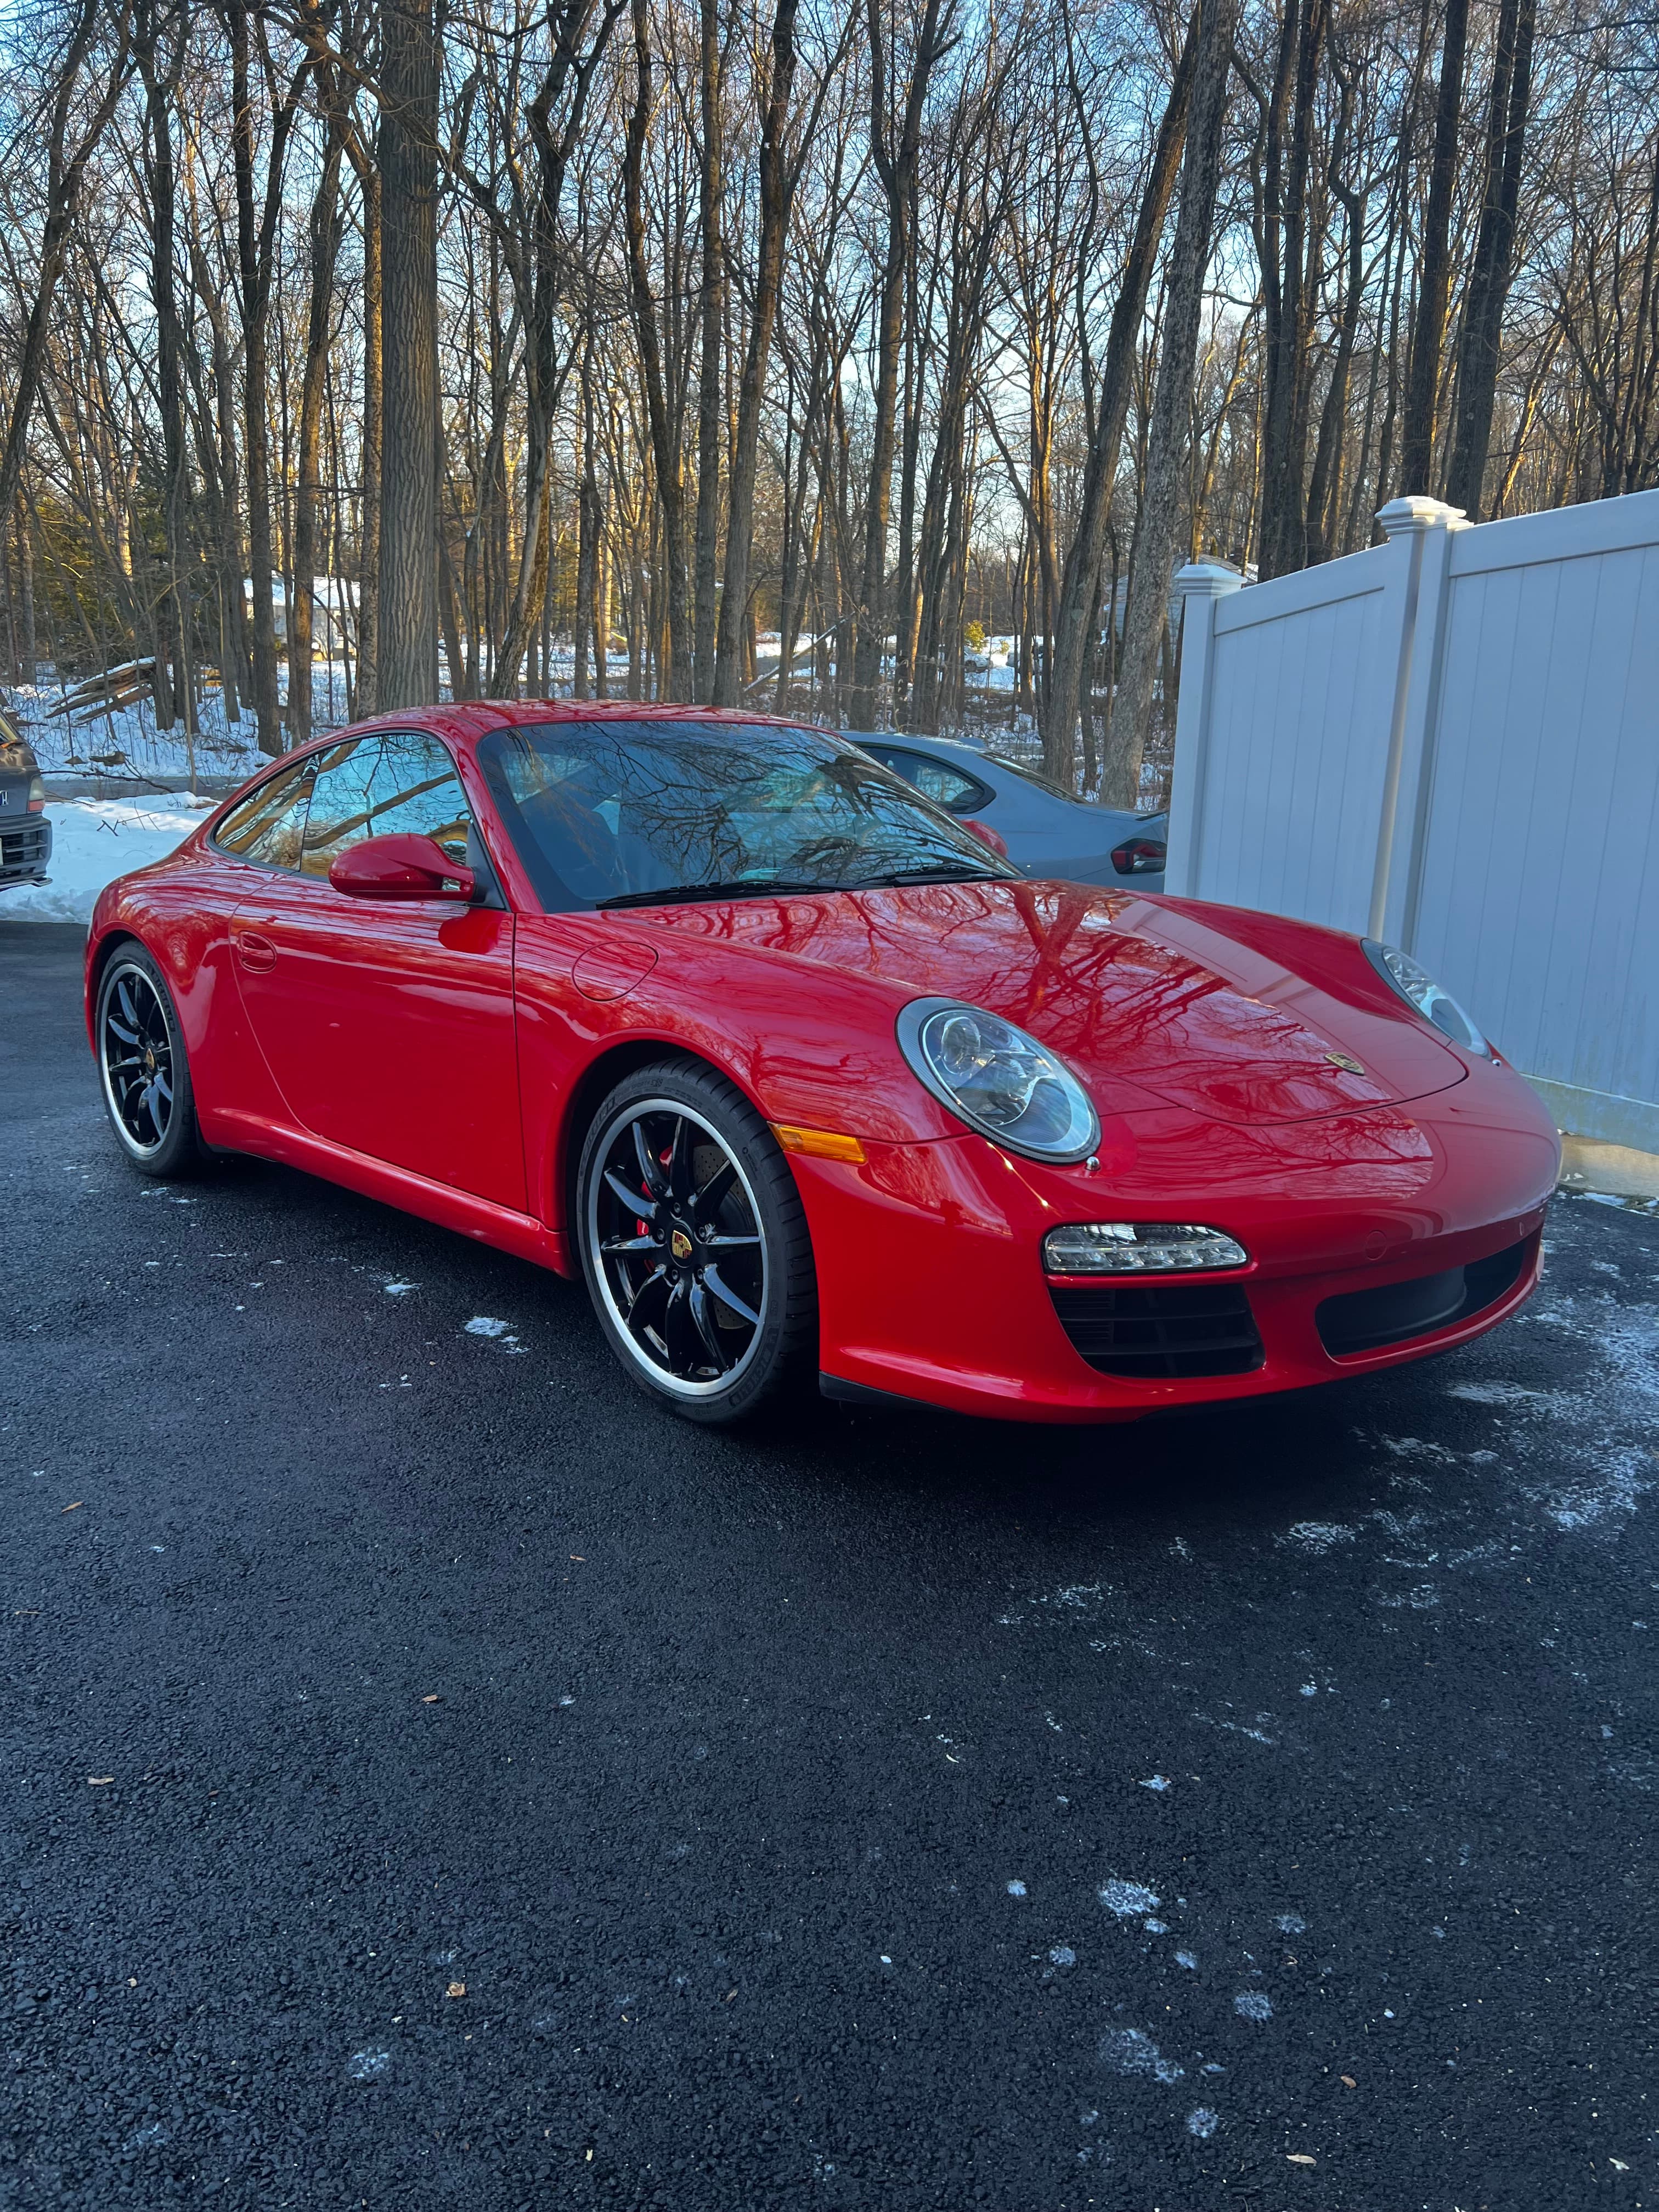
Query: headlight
[
  {"x": 1000, "y": 1081},
  {"x": 1418, "y": 988}
]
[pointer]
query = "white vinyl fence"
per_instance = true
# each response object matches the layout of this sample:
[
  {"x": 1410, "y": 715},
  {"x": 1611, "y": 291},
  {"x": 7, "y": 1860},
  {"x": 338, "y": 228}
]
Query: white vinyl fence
[{"x": 1450, "y": 741}]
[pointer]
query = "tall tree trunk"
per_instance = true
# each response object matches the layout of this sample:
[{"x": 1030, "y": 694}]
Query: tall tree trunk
[
  {"x": 368, "y": 534},
  {"x": 1288, "y": 298},
  {"x": 711, "y": 319},
  {"x": 1074, "y": 643},
  {"x": 1494, "y": 251},
  {"x": 1324, "y": 487},
  {"x": 234, "y": 675},
  {"x": 1434, "y": 283},
  {"x": 175, "y": 692},
  {"x": 256, "y": 242},
  {"x": 664, "y": 446},
  {"x": 27, "y": 656},
  {"x": 325, "y": 243},
  {"x": 406, "y": 670},
  {"x": 895, "y": 165},
  {"x": 1171, "y": 417},
  {"x": 448, "y": 617},
  {"x": 775, "y": 194},
  {"x": 587, "y": 500}
]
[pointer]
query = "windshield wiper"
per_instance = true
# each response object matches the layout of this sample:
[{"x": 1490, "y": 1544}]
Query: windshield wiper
[
  {"x": 951, "y": 872},
  {"x": 740, "y": 887}
]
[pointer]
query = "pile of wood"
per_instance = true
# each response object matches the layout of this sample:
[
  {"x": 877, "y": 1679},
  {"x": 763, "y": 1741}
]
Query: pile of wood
[{"x": 106, "y": 694}]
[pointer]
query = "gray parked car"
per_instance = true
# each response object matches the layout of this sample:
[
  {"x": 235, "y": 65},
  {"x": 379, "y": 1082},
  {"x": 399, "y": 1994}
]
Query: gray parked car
[
  {"x": 1047, "y": 832},
  {"x": 25, "y": 832}
]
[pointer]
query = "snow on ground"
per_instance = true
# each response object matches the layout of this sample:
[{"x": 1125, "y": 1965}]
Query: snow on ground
[
  {"x": 92, "y": 841},
  {"x": 124, "y": 745}
]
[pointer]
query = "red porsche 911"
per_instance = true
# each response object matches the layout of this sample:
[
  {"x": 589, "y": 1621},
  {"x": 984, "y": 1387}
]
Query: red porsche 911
[{"x": 807, "y": 1081}]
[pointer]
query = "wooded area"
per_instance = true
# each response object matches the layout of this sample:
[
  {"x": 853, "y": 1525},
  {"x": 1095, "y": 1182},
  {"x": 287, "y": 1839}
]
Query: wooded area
[{"x": 588, "y": 343}]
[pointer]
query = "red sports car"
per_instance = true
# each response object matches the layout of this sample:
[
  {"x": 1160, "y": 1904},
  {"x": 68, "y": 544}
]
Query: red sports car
[{"x": 807, "y": 1081}]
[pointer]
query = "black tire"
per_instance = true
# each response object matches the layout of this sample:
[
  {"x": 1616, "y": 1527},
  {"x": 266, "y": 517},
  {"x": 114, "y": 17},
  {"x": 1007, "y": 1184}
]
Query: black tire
[
  {"x": 695, "y": 1247},
  {"x": 142, "y": 1068}
]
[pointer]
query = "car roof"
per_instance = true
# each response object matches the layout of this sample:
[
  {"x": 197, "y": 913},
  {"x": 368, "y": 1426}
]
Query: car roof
[
  {"x": 914, "y": 741},
  {"x": 466, "y": 721}
]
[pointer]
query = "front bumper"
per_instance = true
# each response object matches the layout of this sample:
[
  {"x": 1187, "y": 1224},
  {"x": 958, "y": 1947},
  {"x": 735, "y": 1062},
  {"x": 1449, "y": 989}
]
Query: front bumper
[
  {"x": 929, "y": 1256},
  {"x": 25, "y": 849}
]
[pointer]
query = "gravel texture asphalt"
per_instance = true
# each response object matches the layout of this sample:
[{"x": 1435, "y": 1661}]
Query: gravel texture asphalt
[{"x": 435, "y": 1777}]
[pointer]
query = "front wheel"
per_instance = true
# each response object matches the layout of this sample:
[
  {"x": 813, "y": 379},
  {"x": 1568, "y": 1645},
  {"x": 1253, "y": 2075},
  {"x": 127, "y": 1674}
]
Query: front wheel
[
  {"x": 695, "y": 1246},
  {"x": 144, "y": 1071}
]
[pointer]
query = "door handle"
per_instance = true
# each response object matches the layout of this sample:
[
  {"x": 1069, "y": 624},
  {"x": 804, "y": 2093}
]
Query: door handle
[{"x": 257, "y": 954}]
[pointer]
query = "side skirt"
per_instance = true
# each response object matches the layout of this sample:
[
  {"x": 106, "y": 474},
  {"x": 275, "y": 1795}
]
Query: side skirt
[{"x": 520, "y": 1234}]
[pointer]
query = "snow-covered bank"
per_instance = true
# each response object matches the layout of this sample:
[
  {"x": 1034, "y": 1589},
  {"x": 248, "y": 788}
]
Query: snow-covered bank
[{"x": 95, "y": 840}]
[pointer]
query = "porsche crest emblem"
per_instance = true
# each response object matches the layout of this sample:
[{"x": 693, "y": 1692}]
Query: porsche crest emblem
[
  {"x": 680, "y": 1245},
  {"x": 1347, "y": 1061}
]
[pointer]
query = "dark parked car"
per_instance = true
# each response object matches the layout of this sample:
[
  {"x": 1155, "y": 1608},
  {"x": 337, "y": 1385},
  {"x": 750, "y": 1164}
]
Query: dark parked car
[
  {"x": 25, "y": 832},
  {"x": 1047, "y": 832}
]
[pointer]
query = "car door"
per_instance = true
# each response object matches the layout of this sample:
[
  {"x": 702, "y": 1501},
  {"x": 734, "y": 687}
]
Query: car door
[{"x": 388, "y": 1026}]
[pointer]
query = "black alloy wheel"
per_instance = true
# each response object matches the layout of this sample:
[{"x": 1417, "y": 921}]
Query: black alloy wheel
[
  {"x": 695, "y": 1243},
  {"x": 146, "y": 1075}
]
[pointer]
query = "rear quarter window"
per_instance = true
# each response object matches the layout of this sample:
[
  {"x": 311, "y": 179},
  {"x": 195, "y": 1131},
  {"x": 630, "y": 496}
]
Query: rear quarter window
[{"x": 269, "y": 825}]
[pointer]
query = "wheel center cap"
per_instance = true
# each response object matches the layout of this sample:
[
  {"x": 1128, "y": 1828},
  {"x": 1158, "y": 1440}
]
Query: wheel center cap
[{"x": 680, "y": 1245}]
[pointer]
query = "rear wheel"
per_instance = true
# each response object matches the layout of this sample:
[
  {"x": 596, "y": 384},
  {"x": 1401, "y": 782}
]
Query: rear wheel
[
  {"x": 695, "y": 1246},
  {"x": 144, "y": 1067}
]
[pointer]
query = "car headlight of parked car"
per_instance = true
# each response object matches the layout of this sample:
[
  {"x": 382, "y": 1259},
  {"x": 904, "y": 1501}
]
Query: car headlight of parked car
[
  {"x": 1418, "y": 988},
  {"x": 1002, "y": 1082}
]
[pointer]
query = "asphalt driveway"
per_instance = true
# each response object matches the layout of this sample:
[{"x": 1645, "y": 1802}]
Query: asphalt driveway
[{"x": 435, "y": 1777}]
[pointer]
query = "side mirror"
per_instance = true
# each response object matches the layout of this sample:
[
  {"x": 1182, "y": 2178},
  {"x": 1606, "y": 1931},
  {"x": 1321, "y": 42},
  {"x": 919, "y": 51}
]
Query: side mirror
[
  {"x": 988, "y": 836},
  {"x": 400, "y": 867}
]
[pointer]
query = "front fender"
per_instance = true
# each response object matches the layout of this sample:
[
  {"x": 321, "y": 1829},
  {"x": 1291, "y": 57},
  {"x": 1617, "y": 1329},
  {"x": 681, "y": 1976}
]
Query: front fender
[{"x": 805, "y": 1043}]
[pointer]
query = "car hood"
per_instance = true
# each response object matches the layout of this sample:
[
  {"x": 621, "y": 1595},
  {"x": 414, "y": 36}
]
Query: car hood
[{"x": 1146, "y": 999}]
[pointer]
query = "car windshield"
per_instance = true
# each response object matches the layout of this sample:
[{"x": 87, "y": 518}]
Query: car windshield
[{"x": 627, "y": 813}]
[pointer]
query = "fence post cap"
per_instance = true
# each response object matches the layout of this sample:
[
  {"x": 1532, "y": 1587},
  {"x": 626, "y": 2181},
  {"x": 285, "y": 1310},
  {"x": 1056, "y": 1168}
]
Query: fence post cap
[
  {"x": 1415, "y": 511},
  {"x": 1206, "y": 580}
]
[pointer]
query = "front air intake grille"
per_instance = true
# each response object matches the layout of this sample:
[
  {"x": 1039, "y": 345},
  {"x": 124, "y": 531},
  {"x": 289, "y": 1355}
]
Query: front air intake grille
[
  {"x": 23, "y": 847},
  {"x": 1364, "y": 1320},
  {"x": 1160, "y": 1331}
]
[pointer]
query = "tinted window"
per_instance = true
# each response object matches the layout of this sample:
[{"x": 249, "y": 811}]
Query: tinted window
[
  {"x": 937, "y": 780},
  {"x": 372, "y": 787},
  {"x": 268, "y": 825},
  {"x": 621, "y": 810}
]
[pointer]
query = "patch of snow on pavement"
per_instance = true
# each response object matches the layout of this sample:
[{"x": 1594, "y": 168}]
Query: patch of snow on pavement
[
  {"x": 1318, "y": 1536},
  {"x": 1128, "y": 2051},
  {"x": 1128, "y": 1899}
]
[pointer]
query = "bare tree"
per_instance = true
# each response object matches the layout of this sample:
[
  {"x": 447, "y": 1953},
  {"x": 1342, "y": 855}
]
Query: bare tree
[
  {"x": 894, "y": 139},
  {"x": 1155, "y": 539},
  {"x": 1489, "y": 276},
  {"x": 1434, "y": 285}
]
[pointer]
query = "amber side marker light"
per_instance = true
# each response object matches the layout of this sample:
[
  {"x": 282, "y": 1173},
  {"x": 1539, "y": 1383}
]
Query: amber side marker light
[{"x": 817, "y": 1144}]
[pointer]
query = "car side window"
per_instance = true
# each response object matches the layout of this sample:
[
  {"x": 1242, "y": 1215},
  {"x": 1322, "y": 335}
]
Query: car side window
[
  {"x": 375, "y": 786},
  {"x": 268, "y": 826},
  {"x": 936, "y": 779}
]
